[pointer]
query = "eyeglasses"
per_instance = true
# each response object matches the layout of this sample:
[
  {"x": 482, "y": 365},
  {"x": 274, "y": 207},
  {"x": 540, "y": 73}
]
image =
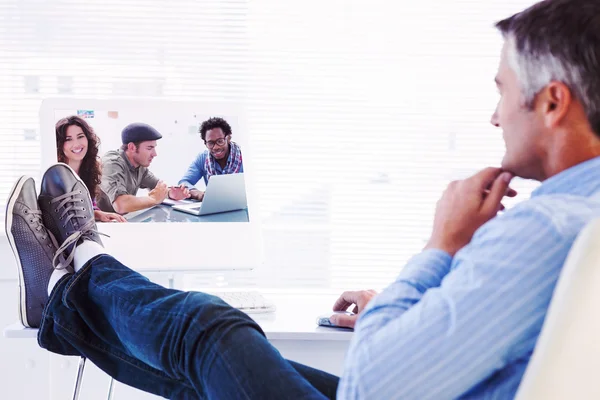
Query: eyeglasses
[{"x": 210, "y": 144}]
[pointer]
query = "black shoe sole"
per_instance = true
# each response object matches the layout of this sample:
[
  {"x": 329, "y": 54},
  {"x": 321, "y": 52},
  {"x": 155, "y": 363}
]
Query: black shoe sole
[{"x": 12, "y": 199}]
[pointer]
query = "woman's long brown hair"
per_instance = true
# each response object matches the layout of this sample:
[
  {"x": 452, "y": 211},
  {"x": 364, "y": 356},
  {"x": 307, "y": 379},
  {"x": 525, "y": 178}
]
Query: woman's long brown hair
[{"x": 89, "y": 171}]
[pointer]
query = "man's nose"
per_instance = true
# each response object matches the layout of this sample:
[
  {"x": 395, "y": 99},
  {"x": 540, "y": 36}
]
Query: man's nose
[{"x": 495, "y": 120}]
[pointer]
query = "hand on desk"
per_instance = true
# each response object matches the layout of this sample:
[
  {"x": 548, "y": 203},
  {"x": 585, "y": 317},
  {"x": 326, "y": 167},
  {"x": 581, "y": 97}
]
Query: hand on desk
[
  {"x": 196, "y": 194},
  {"x": 358, "y": 299},
  {"x": 179, "y": 192},
  {"x": 102, "y": 216}
]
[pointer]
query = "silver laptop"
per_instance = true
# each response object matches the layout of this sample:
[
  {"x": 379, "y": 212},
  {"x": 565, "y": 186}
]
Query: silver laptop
[{"x": 223, "y": 193}]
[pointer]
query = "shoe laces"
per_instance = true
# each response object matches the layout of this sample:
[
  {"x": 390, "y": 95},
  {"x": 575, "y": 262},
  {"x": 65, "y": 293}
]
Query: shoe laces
[
  {"x": 72, "y": 206},
  {"x": 35, "y": 218}
]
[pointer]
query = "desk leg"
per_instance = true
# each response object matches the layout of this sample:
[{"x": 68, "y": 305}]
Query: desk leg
[
  {"x": 111, "y": 389},
  {"x": 79, "y": 378}
]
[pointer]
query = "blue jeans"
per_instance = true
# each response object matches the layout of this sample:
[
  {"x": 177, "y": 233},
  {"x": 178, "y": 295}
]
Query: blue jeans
[{"x": 178, "y": 345}]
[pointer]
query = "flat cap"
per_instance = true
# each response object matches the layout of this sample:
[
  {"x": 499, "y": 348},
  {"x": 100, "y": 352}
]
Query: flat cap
[{"x": 139, "y": 132}]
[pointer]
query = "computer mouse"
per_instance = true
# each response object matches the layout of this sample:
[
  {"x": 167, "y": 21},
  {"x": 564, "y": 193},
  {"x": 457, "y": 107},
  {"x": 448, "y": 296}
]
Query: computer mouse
[{"x": 323, "y": 320}]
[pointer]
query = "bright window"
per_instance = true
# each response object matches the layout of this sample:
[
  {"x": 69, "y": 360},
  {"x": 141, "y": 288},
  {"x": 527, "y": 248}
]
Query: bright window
[{"x": 360, "y": 111}]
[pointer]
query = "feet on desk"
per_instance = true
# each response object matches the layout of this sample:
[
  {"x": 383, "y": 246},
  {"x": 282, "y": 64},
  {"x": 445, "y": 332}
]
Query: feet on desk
[
  {"x": 67, "y": 210},
  {"x": 34, "y": 248},
  {"x": 41, "y": 229}
]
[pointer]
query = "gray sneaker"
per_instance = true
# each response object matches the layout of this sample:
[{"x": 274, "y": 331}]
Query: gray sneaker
[
  {"x": 67, "y": 210},
  {"x": 34, "y": 248}
]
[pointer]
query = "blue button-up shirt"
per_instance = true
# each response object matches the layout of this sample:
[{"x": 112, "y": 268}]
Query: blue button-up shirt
[
  {"x": 197, "y": 170},
  {"x": 465, "y": 327}
]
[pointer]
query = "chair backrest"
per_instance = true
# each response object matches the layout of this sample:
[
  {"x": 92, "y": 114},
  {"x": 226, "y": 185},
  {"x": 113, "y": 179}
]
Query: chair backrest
[{"x": 566, "y": 361}]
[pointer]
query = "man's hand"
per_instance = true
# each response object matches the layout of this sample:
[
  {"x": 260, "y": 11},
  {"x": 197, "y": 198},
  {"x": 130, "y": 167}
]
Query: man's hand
[
  {"x": 466, "y": 205},
  {"x": 102, "y": 216},
  {"x": 159, "y": 193},
  {"x": 358, "y": 299},
  {"x": 179, "y": 192},
  {"x": 197, "y": 194}
]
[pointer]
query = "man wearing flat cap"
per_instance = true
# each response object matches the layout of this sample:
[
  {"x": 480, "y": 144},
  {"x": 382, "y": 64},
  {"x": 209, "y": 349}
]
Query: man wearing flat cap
[{"x": 125, "y": 170}]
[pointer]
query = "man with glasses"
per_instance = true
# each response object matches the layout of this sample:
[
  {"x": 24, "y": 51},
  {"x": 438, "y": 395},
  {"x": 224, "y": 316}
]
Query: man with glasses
[{"x": 221, "y": 157}]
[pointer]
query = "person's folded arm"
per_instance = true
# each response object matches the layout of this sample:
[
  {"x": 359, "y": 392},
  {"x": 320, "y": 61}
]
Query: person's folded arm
[
  {"x": 195, "y": 172},
  {"x": 423, "y": 272},
  {"x": 433, "y": 334},
  {"x": 113, "y": 185},
  {"x": 126, "y": 203},
  {"x": 149, "y": 181}
]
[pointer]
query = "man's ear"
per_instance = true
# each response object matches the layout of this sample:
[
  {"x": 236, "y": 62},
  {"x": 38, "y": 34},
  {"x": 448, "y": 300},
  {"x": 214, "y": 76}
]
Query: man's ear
[{"x": 557, "y": 99}]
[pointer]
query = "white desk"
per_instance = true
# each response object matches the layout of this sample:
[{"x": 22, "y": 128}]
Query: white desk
[
  {"x": 294, "y": 320},
  {"x": 292, "y": 329}
]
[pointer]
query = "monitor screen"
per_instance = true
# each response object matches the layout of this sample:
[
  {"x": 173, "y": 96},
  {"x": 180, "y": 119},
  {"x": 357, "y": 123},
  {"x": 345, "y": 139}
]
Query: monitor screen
[{"x": 188, "y": 202}]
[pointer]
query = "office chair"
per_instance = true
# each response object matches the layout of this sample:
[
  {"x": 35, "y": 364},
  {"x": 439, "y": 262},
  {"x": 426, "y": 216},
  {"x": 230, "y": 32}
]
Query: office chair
[{"x": 566, "y": 360}]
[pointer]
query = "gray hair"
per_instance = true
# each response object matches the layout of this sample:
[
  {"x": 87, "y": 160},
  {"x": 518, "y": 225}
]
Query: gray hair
[{"x": 557, "y": 40}]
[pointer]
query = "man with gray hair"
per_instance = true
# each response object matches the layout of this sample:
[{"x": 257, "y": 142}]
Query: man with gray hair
[
  {"x": 463, "y": 317},
  {"x": 461, "y": 320}
]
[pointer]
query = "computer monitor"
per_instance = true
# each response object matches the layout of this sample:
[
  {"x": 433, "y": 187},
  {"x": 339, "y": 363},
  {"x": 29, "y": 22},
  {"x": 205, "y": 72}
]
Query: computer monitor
[{"x": 159, "y": 238}]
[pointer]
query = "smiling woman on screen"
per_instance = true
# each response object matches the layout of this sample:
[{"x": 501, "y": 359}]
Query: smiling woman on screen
[{"x": 77, "y": 146}]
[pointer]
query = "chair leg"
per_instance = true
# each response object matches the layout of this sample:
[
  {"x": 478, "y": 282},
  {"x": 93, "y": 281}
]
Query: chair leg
[
  {"x": 111, "y": 389},
  {"x": 79, "y": 378}
]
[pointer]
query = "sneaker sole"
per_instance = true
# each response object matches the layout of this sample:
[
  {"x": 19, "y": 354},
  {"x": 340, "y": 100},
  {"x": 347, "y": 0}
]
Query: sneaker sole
[{"x": 12, "y": 199}]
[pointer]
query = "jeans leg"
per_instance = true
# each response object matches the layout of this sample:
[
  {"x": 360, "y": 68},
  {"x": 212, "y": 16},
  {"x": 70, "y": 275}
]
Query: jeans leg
[
  {"x": 322, "y": 381},
  {"x": 190, "y": 337},
  {"x": 63, "y": 331}
]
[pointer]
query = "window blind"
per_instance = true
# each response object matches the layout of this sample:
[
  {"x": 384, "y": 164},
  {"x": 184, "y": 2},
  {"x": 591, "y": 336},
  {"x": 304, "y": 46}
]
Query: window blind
[{"x": 360, "y": 112}]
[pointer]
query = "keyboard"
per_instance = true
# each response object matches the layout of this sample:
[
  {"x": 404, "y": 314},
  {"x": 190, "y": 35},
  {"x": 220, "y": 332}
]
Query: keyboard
[
  {"x": 249, "y": 302},
  {"x": 169, "y": 202}
]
